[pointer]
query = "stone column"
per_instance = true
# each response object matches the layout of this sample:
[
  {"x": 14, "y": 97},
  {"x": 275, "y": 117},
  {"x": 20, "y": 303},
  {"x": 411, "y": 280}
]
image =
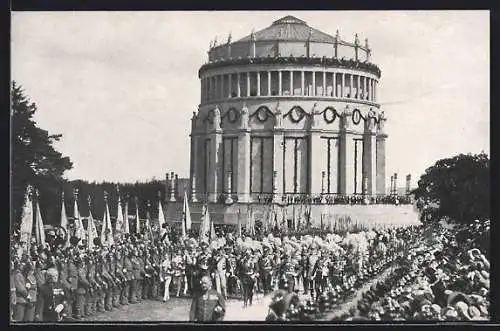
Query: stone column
[
  {"x": 342, "y": 87},
  {"x": 248, "y": 83},
  {"x": 358, "y": 87},
  {"x": 291, "y": 82},
  {"x": 351, "y": 77},
  {"x": 276, "y": 196},
  {"x": 280, "y": 92},
  {"x": 238, "y": 85},
  {"x": 244, "y": 155},
  {"x": 346, "y": 168},
  {"x": 314, "y": 83},
  {"x": 258, "y": 83},
  {"x": 230, "y": 85},
  {"x": 278, "y": 164},
  {"x": 215, "y": 167},
  {"x": 324, "y": 83},
  {"x": 370, "y": 157},
  {"x": 375, "y": 92},
  {"x": 302, "y": 82},
  {"x": 193, "y": 188},
  {"x": 229, "y": 196},
  {"x": 268, "y": 83},
  {"x": 334, "y": 88},
  {"x": 315, "y": 161},
  {"x": 380, "y": 161}
]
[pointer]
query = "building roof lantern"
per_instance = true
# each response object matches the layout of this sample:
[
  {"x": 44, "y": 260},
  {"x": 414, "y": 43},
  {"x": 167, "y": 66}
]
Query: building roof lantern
[{"x": 289, "y": 20}]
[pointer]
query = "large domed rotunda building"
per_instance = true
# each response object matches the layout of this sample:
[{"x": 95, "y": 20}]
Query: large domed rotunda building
[{"x": 288, "y": 112}]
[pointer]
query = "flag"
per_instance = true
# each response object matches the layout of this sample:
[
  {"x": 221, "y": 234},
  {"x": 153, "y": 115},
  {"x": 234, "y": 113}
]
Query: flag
[
  {"x": 27, "y": 218},
  {"x": 64, "y": 220},
  {"x": 186, "y": 217},
  {"x": 79, "y": 230},
  {"x": 251, "y": 223},
  {"x": 126, "y": 226},
  {"x": 212, "y": 231},
  {"x": 161, "y": 216},
  {"x": 148, "y": 223},
  {"x": 239, "y": 222},
  {"x": 39, "y": 231},
  {"x": 205, "y": 224},
  {"x": 106, "y": 230},
  {"x": 91, "y": 231},
  {"x": 119, "y": 219},
  {"x": 137, "y": 219}
]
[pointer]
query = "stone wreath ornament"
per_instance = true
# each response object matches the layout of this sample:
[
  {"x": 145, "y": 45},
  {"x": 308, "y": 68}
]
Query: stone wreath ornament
[
  {"x": 357, "y": 116},
  {"x": 330, "y": 115},
  {"x": 296, "y": 114},
  {"x": 232, "y": 115},
  {"x": 262, "y": 114}
]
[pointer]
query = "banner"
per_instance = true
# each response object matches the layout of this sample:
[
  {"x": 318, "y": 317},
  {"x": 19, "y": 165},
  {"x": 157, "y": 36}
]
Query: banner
[
  {"x": 186, "y": 217},
  {"x": 79, "y": 230},
  {"x": 107, "y": 229},
  {"x": 39, "y": 230},
  {"x": 91, "y": 231},
  {"x": 205, "y": 224},
  {"x": 137, "y": 219},
  {"x": 64, "y": 220},
  {"x": 161, "y": 218},
  {"x": 126, "y": 226},
  {"x": 119, "y": 219}
]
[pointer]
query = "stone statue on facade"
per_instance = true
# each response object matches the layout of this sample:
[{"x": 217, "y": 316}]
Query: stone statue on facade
[
  {"x": 217, "y": 118},
  {"x": 346, "y": 113},
  {"x": 244, "y": 117},
  {"x": 278, "y": 116},
  {"x": 315, "y": 115},
  {"x": 194, "y": 119},
  {"x": 381, "y": 120}
]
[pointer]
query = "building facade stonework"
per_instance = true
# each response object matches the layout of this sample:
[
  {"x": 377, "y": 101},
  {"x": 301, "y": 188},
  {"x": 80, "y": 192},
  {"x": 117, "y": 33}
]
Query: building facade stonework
[{"x": 288, "y": 110}]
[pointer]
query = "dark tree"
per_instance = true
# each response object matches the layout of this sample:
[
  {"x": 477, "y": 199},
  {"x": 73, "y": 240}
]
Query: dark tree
[
  {"x": 34, "y": 159},
  {"x": 457, "y": 187}
]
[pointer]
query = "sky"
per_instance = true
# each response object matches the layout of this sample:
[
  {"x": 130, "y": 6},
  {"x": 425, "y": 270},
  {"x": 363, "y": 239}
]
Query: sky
[{"x": 121, "y": 87}]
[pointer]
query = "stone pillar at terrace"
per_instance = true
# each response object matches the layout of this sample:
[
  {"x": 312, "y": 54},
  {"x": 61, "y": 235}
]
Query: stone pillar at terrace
[
  {"x": 214, "y": 165},
  {"x": 248, "y": 83},
  {"x": 334, "y": 80},
  {"x": 342, "y": 89},
  {"x": 351, "y": 77},
  {"x": 302, "y": 82},
  {"x": 291, "y": 82},
  {"x": 244, "y": 155},
  {"x": 313, "y": 83},
  {"x": 346, "y": 154},
  {"x": 258, "y": 83},
  {"x": 230, "y": 86},
  {"x": 358, "y": 88},
  {"x": 324, "y": 83},
  {"x": 238, "y": 85},
  {"x": 268, "y": 83},
  {"x": 280, "y": 91},
  {"x": 370, "y": 157}
]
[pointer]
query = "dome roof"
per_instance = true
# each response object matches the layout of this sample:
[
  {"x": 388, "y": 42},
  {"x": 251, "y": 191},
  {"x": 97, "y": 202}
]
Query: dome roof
[{"x": 292, "y": 29}]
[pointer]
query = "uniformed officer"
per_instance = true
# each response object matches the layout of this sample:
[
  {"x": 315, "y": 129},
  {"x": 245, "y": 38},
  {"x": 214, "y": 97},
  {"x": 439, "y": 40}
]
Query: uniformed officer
[
  {"x": 120, "y": 277},
  {"x": 135, "y": 270},
  {"x": 108, "y": 303},
  {"x": 73, "y": 281},
  {"x": 63, "y": 278},
  {"x": 207, "y": 305},
  {"x": 114, "y": 290},
  {"x": 128, "y": 269},
  {"x": 53, "y": 294},
  {"x": 220, "y": 272},
  {"x": 91, "y": 297},
  {"x": 39, "y": 273},
  {"x": 101, "y": 293},
  {"x": 148, "y": 276},
  {"x": 83, "y": 287}
]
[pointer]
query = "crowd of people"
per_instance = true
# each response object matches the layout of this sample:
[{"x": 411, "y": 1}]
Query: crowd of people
[{"x": 63, "y": 282}]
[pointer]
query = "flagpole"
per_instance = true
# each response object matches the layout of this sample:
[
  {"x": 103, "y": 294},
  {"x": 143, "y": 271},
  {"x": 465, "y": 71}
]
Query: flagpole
[
  {"x": 64, "y": 219},
  {"x": 137, "y": 220}
]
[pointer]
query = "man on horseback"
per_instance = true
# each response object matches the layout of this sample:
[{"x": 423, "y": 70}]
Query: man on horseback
[{"x": 248, "y": 276}]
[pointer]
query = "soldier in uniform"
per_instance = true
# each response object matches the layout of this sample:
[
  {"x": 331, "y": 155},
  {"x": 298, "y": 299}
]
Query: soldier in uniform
[
  {"x": 109, "y": 293},
  {"x": 94, "y": 287},
  {"x": 39, "y": 274},
  {"x": 114, "y": 291},
  {"x": 136, "y": 274},
  {"x": 178, "y": 272},
  {"x": 127, "y": 272},
  {"x": 73, "y": 280},
  {"x": 147, "y": 290},
  {"x": 25, "y": 309},
  {"x": 83, "y": 287},
  {"x": 248, "y": 276},
  {"x": 142, "y": 273},
  {"x": 54, "y": 297},
  {"x": 63, "y": 278},
  {"x": 155, "y": 261},
  {"x": 120, "y": 278},
  {"x": 128, "y": 269},
  {"x": 166, "y": 276},
  {"x": 266, "y": 266},
  {"x": 191, "y": 262},
  {"x": 101, "y": 293},
  {"x": 288, "y": 273},
  {"x": 208, "y": 305},
  {"x": 220, "y": 272},
  {"x": 233, "y": 282}
]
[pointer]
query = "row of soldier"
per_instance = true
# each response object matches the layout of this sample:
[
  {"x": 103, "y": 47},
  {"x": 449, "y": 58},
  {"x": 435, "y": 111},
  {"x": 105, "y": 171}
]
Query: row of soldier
[{"x": 75, "y": 283}]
